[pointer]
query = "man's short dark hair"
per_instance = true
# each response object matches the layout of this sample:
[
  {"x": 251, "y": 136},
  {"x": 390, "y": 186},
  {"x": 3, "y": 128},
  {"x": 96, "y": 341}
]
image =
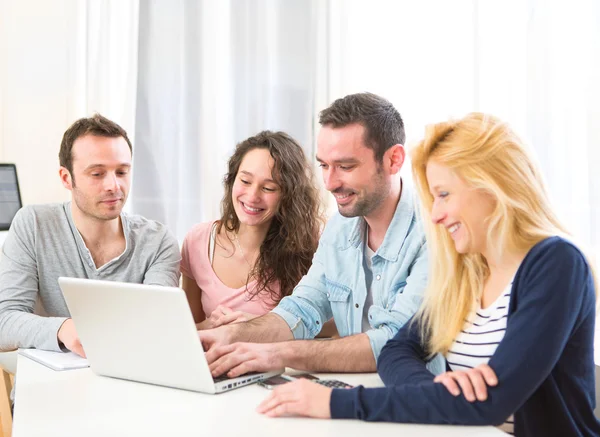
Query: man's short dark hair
[
  {"x": 96, "y": 125},
  {"x": 382, "y": 122}
]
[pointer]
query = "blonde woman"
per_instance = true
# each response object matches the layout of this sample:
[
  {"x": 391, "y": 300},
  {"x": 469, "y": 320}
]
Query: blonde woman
[{"x": 510, "y": 303}]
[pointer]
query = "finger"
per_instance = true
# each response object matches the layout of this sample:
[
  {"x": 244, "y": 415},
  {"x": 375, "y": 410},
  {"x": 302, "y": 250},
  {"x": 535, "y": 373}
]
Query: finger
[
  {"x": 275, "y": 399},
  {"x": 227, "y": 362},
  {"x": 241, "y": 318},
  {"x": 229, "y": 318},
  {"x": 207, "y": 341},
  {"x": 222, "y": 310},
  {"x": 286, "y": 409},
  {"x": 450, "y": 385},
  {"x": 78, "y": 349},
  {"x": 216, "y": 352},
  {"x": 267, "y": 404},
  {"x": 465, "y": 385},
  {"x": 478, "y": 384},
  {"x": 247, "y": 366},
  {"x": 488, "y": 375}
]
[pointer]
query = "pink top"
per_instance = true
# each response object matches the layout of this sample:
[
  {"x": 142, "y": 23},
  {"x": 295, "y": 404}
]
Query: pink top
[{"x": 195, "y": 264}]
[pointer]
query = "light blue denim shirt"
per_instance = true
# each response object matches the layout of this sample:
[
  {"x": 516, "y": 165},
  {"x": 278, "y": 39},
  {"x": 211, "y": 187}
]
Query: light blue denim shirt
[{"x": 335, "y": 286}]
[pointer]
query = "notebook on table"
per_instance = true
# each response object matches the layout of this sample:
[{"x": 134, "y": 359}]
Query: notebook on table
[{"x": 56, "y": 360}]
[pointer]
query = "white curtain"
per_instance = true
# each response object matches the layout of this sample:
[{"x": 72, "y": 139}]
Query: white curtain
[
  {"x": 211, "y": 74},
  {"x": 103, "y": 60},
  {"x": 534, "y": 63}
]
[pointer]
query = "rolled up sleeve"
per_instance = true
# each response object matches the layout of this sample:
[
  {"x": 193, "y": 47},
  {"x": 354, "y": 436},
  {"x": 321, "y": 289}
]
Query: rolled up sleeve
[{"x": 308, "y": 308}]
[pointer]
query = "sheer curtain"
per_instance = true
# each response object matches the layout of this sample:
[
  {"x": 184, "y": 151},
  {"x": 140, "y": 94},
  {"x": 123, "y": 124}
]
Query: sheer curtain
[
  {"x": 103, "y": 60},
  {"x": 533, "y": 63},
  {"x": 543, "y": 78},
  {"x": 210, "y": 74}
]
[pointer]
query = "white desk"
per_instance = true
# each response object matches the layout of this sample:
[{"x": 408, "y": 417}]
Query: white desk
[{"x": 79, "y": 403}]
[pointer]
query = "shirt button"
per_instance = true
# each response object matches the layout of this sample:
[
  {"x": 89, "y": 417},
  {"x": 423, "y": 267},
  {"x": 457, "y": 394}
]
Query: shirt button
[
  {"x": 317, "y": 322},
  {"x": 328, "y": 295},
  {"x": 378, "y": 277},
  {"x": 356, "y": 305}
]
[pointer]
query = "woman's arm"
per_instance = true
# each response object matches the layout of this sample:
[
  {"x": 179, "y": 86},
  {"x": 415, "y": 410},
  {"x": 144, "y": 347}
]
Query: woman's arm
[
  {"x": 403, "y": 357},
  {"x": 556, "y": 290}
]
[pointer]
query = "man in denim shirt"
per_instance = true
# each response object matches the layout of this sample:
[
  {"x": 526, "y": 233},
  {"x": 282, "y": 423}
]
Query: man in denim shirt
[{"x": 369, "y": 271}]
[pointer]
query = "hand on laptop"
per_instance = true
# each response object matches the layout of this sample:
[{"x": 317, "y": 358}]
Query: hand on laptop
[
  {"x": 212, "y": 338},
  {"x": 67, "y": 335},
  {"x": 239, "y": 358}
]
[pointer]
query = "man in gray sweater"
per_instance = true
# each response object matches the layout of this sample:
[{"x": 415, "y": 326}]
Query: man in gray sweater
[{"x": 88, "y": 237}]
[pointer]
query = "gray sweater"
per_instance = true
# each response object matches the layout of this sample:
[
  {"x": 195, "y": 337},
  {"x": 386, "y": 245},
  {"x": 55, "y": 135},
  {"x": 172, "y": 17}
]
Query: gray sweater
[{"x": 43, "y": 244}]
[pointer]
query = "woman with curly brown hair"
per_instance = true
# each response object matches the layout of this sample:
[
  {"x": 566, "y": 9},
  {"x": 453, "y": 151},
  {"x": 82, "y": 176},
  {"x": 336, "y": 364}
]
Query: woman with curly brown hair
[{"x": 240, "y": 266}]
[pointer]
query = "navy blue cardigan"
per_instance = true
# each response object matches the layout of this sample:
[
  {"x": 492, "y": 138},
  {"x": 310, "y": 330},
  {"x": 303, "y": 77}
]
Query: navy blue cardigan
[{"x": 544, "y": 364}]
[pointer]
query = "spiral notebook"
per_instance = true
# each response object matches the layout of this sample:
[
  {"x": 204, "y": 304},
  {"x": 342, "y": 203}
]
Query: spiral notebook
[{"x": 56, "y": 360}]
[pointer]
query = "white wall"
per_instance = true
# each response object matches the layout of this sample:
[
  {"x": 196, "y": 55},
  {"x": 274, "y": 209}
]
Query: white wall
[{"x": 37, "y": 83}]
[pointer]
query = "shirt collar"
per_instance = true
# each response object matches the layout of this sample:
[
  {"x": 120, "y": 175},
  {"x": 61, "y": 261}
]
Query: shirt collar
[{"x": 397, "y": 230}]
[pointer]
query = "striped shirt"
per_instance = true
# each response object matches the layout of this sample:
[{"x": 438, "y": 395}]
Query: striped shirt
[{"x": 479, "y": 338}]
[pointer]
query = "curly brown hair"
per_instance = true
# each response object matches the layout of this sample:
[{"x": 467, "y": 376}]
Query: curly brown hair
[{"x": 293, "y": 236}]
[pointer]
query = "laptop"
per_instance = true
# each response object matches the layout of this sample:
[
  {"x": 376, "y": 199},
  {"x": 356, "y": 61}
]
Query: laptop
[
  {"x": 143, "y": 333},
  {"x": 10, "y": 195}
]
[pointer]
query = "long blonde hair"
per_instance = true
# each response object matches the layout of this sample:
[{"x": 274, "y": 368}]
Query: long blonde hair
[{"x": 487, "y": 155}]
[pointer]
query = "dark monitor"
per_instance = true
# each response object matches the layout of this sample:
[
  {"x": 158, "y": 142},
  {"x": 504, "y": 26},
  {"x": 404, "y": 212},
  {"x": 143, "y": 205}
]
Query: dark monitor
[{"x": 10, "y": 195}]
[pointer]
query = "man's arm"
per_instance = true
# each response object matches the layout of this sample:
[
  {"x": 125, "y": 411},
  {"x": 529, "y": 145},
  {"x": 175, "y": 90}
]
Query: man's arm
[
  {"x": 265, "y": 329},
  {"x": 165, "y": 267},
  {"x": 348, "y": 354},
  {"x": 19, "y": 290},
  {"x": 269, "y": 328}
]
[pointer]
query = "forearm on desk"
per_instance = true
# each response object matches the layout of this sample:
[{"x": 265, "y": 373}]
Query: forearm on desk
[{"x": 348, "y": 354}]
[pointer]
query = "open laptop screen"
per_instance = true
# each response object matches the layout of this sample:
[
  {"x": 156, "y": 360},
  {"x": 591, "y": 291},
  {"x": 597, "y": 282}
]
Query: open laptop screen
[{"x": 10, "y": 196}]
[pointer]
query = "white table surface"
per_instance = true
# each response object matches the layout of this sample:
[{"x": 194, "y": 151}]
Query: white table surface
[{"x": 80, "y": 403}]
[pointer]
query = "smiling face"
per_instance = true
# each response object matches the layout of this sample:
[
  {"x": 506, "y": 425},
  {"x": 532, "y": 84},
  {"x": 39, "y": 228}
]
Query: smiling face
[
  {"x": 255, "y": 194},
  {"x": 350, "y": 172},
  {"x": 101, "y": 176},
  {"x": 461, "y": 209}
]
